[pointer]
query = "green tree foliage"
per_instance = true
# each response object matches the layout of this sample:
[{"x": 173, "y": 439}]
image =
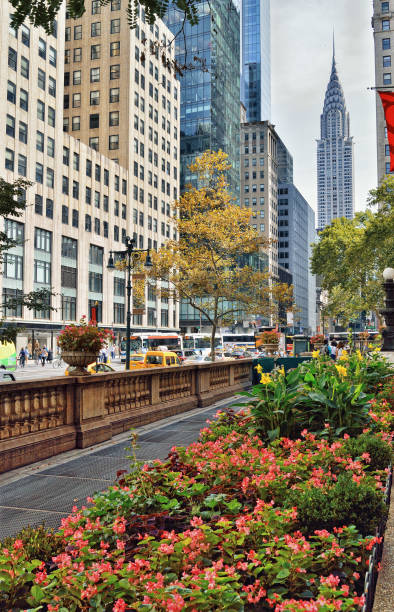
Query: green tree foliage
[
  {"x": 352, "y": 254},
  {"x": 13, "y": 203},
  {"x": 43, "y": 12}
]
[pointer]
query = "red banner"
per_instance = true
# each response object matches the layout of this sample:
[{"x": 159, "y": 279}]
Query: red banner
[{"x": 387, "y": 98}]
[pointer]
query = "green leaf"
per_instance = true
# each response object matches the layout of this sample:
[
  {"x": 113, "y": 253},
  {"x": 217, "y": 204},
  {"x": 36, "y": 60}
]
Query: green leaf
[
  {"x": 284, "y": 573},
  {"x": 37, "y": 592}
]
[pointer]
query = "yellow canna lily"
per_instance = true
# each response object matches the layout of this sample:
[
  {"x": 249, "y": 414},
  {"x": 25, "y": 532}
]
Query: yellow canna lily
[
  {"x": 281, "y": 370},
  {"x": 259, "y": 368},
  {"x": 315, "y": 354},
  {"x": 344, "y": 356},
  {"x": 265, "y": 379},
  {"x": 341, "y": 371},
  {"x": 359, "y": 355}
]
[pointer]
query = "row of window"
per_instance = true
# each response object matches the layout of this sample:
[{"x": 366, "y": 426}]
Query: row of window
[
  {"x": 254, "y": 162},
  {"x": 253, "y": 175},
  {"x": 254, "y": 188}
]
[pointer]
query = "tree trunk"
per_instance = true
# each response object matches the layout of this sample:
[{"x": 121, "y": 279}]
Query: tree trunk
[{"x": 213, "y": 334}]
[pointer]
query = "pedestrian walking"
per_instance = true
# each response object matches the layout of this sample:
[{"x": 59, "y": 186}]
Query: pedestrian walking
[
  {"x": 37, "y": 353},
  {"x": 43, "y": 356},
  {"x": 22, "y": 358},
  {"x": 334, "y": 350}
]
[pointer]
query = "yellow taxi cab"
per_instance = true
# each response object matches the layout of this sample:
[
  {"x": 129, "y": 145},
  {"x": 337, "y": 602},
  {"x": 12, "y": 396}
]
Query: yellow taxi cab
[
  {"x": 93, "y": 368},
  {"x": 157, "y": 359},
  {"x": 136, "y": 359}
]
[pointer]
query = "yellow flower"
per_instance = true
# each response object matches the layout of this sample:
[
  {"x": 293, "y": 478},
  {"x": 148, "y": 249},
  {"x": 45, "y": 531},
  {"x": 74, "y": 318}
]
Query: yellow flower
[
  {"x": 371, "y": 346},
  {"x": 377, "y": 350},
  {"x": 259, "y": 368},
  {"x": 344, "y": 356},
  {"x": 315, "y": 354},
  {"x": 281, "y": 370},
  {"x": 341, "y": 371},
  {"x": 265, "y": 379},
  {"x": 359, "y": 355}
]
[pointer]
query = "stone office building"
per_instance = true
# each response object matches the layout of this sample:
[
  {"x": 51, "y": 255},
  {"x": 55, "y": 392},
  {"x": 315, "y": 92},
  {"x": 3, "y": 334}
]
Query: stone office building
[{"x": 82, "y": 203}]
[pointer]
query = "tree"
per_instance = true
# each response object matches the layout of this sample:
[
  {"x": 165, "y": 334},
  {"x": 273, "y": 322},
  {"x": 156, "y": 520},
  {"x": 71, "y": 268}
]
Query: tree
[
  {"x": 208, "y": 265},
  {"x": 352, "y": 253},
  {"x": 13, "y": 203}
]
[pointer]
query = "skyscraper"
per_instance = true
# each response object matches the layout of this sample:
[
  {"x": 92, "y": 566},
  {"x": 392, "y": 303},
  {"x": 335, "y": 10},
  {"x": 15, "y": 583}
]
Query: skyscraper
[
  {"x": 256, "y": 59},
  {"x": 334, "y": 156},
  {"x": 210, "y": 99},
  {"x": 383, "y": 27}
]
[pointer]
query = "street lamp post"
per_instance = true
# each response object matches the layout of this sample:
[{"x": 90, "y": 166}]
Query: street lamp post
[{"x": 131, "y": 255}]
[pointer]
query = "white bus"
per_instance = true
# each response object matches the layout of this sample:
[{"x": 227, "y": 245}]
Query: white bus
[
  {"x": 140, "y": 343},
  {"x": 201, "y": 342},
  {"x": 232, "y": 341}
]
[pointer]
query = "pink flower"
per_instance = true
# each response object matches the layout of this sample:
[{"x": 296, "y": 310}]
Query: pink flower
[
  {"x": 120, "y": 606},
  {"x": 331, "y": 581}
]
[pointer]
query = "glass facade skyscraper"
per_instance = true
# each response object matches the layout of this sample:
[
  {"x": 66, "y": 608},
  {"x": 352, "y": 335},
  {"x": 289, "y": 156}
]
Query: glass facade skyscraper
[
  {"x": 256, "y": 59},
  {"x": 210, "y": 100}
]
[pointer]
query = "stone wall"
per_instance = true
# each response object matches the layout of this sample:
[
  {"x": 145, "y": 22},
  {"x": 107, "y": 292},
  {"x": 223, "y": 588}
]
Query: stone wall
[{"x": 42, "y": 418}]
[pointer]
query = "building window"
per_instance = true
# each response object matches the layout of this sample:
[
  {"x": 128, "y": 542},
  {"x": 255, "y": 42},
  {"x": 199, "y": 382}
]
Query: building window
[
  {"x": 88, "y": 223},
  {"x": 22, "y": 165},
  {"x": 95, "y": 52},
  {"x": 40, "y": 110},
  {"x": 387, "y": 78},
  {"x": 113, "y": 142},
  {"x": 10, "y": 126},
  {"x": 42, "y": 272},
  {"x": 38, "y": 207},
  {"x": 76, "y": 123},
  {"x": 385, "y": 7},
  {"x": 69, "y": 247},
  {"x": 65, "y": 214},
  {"x": 41, "y": 79},
  {"x": 94, "y": 121},
  {"x": 24, "y": 100},
  {"x": 96, "y": 7},
  {"x": 13, "y": 266},
  {"x": 75, "y": 218},
  {"x": 50, "y": 178},
  {"x": 69, "y": 277},
  {"x": 114, "y": 49},
  {"x": 75, "y": 191},
  {"x": 49, "y": 208},
  {"x": 94, "y": 75},
  {"x": 115, "y": 26},
  {"x": 98, "y": 305},
  {"x": 42, "y": 48},
  {"x": 118, "y": 313},
  {"x": 386, "y": 43},
  {"x": 11, "y": 307},
  {"x": 94, "y": 98},
  {"x": 76, "y": 100},
  {"x": 42, "y": 240},
  {"x": 114, "y": 118},
  {"x": 77, "y": 32},
  {"x": 88, "y": 167},
  {"x": 11, "y": 92},
  {"x": 39, "y": 172},
  {"x": 69, "y": 308},
  {"x": 385, "y": 25},
  {"x": 387, "y": 150},
  {"x": 65, "y": 188},
  {"x": 12, "y": 58},
  {"x": 94, "y": 143},
  {"x": 115, "y": 5},
  {"x": 386, "y": 61},
  {"x": 95, "y": 29},
  {"x": 77, "y": 54},
  {"x": 95, "y": 282},
  {"x": 114, "y": 72},
  {"x": 76, "y": 161},
  {"x": 51, "y": 116},
  {"x": 114, "y": 94}
]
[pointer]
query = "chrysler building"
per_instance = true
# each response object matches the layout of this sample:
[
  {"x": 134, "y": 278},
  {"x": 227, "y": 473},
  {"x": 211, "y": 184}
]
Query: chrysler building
[{"x": 335, "y": 193}]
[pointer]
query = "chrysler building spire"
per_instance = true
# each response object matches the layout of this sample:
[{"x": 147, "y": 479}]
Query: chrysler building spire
[{"x": 334, "y": 154}]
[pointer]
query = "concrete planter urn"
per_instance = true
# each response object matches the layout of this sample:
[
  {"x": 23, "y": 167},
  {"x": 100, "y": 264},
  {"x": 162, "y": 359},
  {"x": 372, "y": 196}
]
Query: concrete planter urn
[
  {"x": 270, "y": 349},
  {"x": 79, "y": 360}
]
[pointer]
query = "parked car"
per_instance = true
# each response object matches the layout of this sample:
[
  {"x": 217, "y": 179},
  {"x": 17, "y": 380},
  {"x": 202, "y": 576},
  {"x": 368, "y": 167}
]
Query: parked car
[
  {"x": 186, "y": 353},
  {"x": 157, "y": 359}
]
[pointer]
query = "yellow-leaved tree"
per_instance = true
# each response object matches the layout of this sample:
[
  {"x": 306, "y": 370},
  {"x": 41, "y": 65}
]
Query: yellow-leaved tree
[{"x": 209, "y": 266}]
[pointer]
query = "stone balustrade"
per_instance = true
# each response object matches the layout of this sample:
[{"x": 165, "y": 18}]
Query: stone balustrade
[{"x": 42, "y": 418}]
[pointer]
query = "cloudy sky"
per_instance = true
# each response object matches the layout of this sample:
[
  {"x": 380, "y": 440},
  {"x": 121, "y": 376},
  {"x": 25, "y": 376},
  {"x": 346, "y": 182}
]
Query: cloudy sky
[{"x": 301, "y": 40}]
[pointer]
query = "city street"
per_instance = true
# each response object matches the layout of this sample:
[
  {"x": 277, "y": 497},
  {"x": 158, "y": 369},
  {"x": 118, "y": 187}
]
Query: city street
[{"x": 33, "y": 371}]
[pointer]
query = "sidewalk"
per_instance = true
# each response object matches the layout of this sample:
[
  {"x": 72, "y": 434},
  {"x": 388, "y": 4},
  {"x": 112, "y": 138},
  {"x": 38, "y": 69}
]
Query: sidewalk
[{"x": 47, "y": 491}]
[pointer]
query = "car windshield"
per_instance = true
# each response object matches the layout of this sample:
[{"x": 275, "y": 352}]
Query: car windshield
[
  {"x": 154, "y": 359},
  {"x": 137, "y": 357}
]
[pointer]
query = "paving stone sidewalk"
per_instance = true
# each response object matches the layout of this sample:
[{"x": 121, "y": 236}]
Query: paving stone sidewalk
[{"x": 47, "y": 491}]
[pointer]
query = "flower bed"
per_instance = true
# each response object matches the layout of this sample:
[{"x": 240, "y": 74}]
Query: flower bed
[{"x": 249, "y": 517}]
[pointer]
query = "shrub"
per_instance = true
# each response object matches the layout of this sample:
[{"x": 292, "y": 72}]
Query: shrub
[
  {"x": 38, "y": 542},
  {"x": 346, "y": 503},
  {"x": 379, "y": 450}
]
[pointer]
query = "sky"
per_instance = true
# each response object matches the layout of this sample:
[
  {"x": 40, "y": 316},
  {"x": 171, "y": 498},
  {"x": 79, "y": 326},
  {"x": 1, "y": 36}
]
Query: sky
[{"x": 301, "y": 47}]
